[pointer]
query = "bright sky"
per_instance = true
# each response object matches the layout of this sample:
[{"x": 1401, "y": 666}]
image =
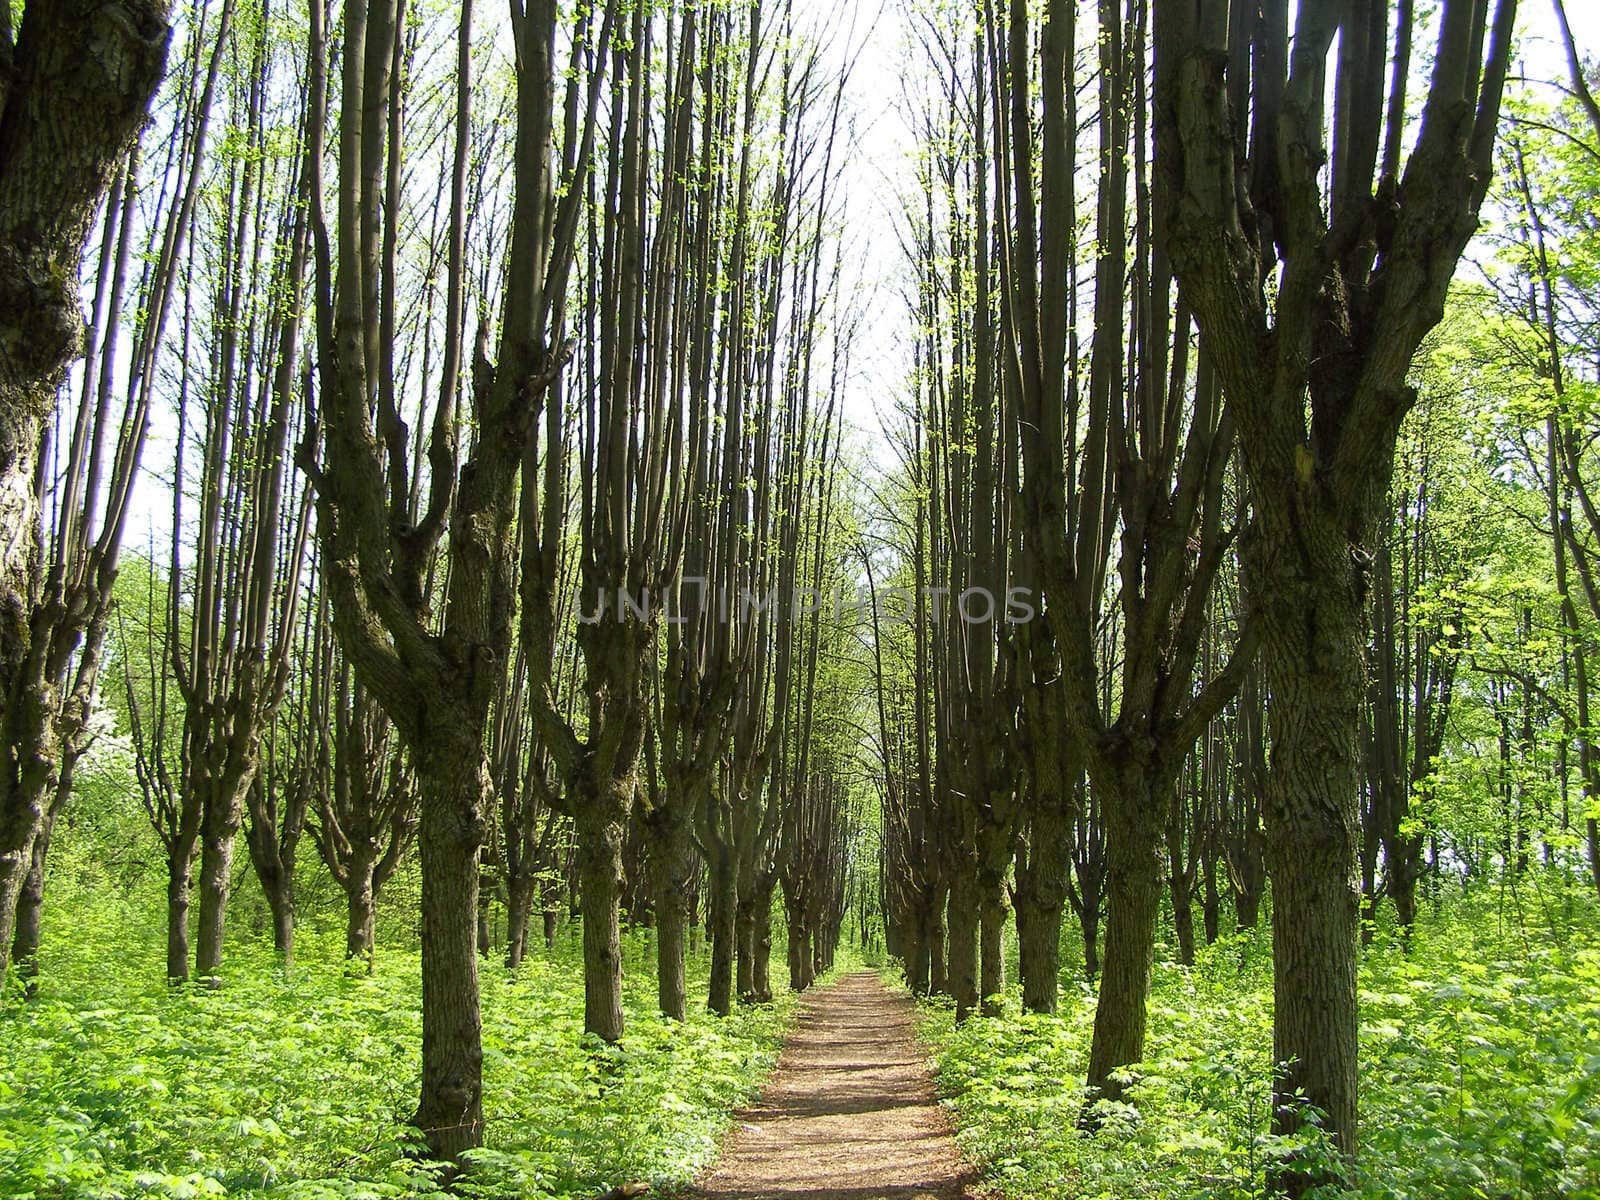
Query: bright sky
[{"x": 879, "y": 175}]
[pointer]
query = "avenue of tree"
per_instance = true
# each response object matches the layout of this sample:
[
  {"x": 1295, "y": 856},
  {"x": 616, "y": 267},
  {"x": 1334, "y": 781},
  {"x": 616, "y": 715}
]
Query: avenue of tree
[{"x": 477, "y": 381}]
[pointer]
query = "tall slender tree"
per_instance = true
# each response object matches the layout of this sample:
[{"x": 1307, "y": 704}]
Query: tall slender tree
[{"x": 436, "y": 676}]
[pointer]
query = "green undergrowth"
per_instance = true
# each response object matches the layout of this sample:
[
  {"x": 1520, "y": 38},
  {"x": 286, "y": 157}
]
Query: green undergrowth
[
  {"x": 1480, "y": 1069},
  {"x": 113, "y": 1085}
]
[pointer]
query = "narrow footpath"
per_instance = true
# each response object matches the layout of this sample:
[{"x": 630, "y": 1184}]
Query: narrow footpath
[{"x": 849, "y": 1114}]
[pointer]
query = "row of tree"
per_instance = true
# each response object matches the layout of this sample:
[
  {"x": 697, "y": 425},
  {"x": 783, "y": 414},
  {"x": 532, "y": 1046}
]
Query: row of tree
[
  {"x": 1174, "y": 416},
  {"x": 500, "y": 363},
  {"x": 489, "y": 492}
]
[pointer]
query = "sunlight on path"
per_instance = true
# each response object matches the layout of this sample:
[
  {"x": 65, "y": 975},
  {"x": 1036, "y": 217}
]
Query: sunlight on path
[{"x": 850, "y": 1113}]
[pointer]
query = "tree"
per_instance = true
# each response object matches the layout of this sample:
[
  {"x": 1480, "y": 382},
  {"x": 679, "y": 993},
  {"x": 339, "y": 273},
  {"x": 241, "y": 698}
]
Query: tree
[
  {"x": 436, "y": 677},
  {"x": 1316, "y": 368},
  {"x": 76, "y": 79},
  {"x": 1146, "y": 452},
  {"x": 632, "y": 494}
]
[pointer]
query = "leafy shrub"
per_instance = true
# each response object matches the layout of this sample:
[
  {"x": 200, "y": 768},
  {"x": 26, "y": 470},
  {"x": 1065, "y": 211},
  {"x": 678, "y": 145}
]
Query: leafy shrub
[
  {"x": 1480, "y": 1060},
  {"x": 113, "y": 1085}
]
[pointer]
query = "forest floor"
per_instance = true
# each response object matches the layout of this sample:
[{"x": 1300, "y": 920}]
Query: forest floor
[{"x": 849, "y": 1114}]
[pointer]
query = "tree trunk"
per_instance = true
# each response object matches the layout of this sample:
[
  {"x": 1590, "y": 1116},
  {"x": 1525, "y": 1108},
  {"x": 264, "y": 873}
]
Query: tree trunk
[
  {"x": 1039, "y": 950},
  {"x": 1247, "y": 908},
  {"x": 723, "y": 917},
  {"x": 1183, "y": 915},
  {"x": 360, "y": 894},
  {"x": 485, "y": 938},
  {"x": 671, "y": 854},
  {"x": 938, "y": 956},
  {"x": 762, "y": 967},
  {"x": 1592, "y": 827},
  {"x": 1313, "y": 640},
  {"x": 911, "y": 944},
  {"x": 30, "y": 901},
  {"x": 1212, "y": 902},
  {"x": 601, "y": 828},
  {"x": 30, "y": 905},
  {"x": 75, "y": 85},
  {"x": 962, "y": 942},
  {"x": 180, "y": 867},
  {"x": 745, "y": 940},
  {"x": 672, "y": 922},
  {"x": 1133, "y": 900},
  {"x": 992, "y": 909},
  {"x": 520, "y": 893},
  {"x": 1089, "y": 926},
  {"x": 454, "y": 789},
  {"x": 282, "y": 902},
  {"x": 27, "y": 781},
  {"x": 803, "y": 963},
  {"x": 219, "y": 833},
  {"x": 1042, "y": 873}
]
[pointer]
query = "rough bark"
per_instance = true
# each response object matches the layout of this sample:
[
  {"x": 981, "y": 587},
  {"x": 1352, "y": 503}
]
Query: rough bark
[
  {"x": 30, "y": 901},
  {"x": 360, "y": 937},
  {"x": 961, "y": 941},
  {"x": 456, "y": 797},
  {"x": 1134, "y": 877},
  {"x": 601, "y": 826},
  {"x": 180, "y": 872},
  {"x": 672, "y": 873},
  {"x": 220, "y": 826}
]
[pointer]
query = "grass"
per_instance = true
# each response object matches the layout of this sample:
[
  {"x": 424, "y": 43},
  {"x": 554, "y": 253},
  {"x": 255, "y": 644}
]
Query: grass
[
  {"x": 1480, "y": 1061},
  {"x": 114, "y": 1085}
]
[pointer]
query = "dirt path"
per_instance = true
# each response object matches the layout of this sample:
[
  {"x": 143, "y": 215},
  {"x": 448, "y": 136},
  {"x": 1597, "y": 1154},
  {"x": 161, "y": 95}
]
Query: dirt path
[{"x": 850, "y": 1113}]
